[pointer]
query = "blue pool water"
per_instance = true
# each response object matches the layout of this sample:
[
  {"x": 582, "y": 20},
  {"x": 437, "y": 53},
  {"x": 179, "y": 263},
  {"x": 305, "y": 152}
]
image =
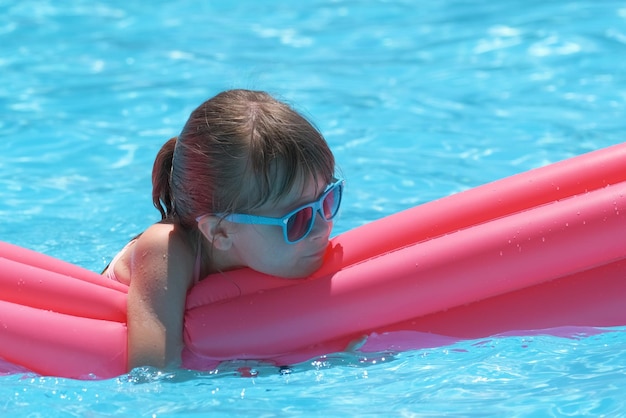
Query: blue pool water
[{"x": 418, "y": 100}]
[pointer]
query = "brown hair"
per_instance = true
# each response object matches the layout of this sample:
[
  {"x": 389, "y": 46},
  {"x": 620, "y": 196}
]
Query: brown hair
[{"x": 237, "y": 151}]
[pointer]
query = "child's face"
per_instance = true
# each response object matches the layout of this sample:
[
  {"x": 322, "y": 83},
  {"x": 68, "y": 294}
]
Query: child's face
[{"x": 263, "y": 247}]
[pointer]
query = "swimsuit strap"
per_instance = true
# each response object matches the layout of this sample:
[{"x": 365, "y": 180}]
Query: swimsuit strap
[{"x": 110, "y": 270}]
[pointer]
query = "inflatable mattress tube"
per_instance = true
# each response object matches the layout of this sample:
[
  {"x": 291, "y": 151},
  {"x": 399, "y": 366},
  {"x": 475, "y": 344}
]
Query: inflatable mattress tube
[{"x": 538, "y": 250}]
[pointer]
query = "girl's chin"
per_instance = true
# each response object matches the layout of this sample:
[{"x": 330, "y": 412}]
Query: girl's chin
[
  {"x": 303, "y": 271},
  {"x": 314, "y": 266}
]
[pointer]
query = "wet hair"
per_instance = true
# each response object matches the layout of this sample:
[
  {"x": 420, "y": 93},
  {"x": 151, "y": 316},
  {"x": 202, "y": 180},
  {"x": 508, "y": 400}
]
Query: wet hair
[{"x": 237, "y": 151}]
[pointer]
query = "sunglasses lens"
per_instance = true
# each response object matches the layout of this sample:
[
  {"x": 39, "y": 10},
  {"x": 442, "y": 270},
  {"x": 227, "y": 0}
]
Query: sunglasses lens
[
  {"x": 299, "y": 223},
  {"x": 331, "y": 202}
]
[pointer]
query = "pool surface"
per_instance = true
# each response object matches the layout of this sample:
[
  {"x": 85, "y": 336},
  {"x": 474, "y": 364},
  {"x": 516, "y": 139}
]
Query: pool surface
[{"x": 418, "y": 100}]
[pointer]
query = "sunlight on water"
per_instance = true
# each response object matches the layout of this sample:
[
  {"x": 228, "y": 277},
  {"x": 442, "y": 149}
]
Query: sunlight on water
[{"x": 512, "y": 376}]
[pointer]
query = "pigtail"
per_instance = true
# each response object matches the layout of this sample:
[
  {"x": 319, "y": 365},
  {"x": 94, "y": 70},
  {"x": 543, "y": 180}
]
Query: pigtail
[{"x": 161, "y": 172}]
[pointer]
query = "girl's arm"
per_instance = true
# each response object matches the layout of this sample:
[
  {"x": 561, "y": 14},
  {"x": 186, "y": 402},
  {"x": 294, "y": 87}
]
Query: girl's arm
[{"x": 161, "y": 273}]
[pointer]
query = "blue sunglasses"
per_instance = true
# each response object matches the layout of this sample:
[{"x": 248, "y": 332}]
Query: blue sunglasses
[{"x": 298, "y": 223}]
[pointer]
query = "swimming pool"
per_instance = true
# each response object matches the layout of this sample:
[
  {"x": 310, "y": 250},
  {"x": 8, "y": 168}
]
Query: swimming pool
[{"x": 417, "y": 101}]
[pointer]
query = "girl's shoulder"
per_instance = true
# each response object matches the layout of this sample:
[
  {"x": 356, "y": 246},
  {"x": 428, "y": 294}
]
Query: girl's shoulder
[
  {"x": 164, "y": 246},
  {"x": 163, "y": 235},
  {"x": 167, "y": 237}
]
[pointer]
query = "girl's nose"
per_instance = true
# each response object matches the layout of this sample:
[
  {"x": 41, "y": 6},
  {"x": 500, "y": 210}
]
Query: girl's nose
[{"x": 321, "y": 227}]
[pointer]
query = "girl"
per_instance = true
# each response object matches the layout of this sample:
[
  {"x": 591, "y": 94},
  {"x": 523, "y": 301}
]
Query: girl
[{"x": 249, "y": 182}]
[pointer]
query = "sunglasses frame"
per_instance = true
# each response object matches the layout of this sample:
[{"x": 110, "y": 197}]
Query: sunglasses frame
[{"x": 317, "y": 207}]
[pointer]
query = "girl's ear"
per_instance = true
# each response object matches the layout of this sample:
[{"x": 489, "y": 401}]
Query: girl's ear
[{"x": 216, "y": 232}]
